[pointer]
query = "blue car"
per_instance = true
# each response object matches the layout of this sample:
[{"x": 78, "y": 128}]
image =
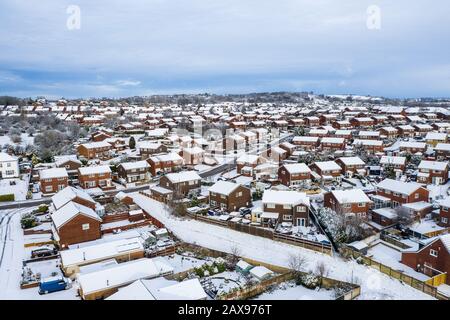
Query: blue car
[{"x": 54, "y": 284}]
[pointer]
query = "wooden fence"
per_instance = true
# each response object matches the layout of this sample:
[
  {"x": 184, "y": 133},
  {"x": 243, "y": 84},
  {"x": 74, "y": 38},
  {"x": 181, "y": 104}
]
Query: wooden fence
[
  {"x": 128, "y": 226},
  {"x": 410, "y": 281},
  {"x": 266, "y": 233}
]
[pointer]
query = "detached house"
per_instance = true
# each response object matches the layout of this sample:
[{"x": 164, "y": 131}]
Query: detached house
[
  {"x": 74, "y": 223},
  {"x": 95, "y": 177},
  {"x": 246, "y": 163},
  {"x": 431, "y": 258},
  {"x": 53, "y": 180},
  {"x": 328, "y": 170},
  {"x": 294, "y": 174},
  {"x": 402, "y": 192},
  {"x": 435, "y": 172},
  {"x": 351, "y": 165},
  {"x": 69, "y": 194},
  {"x": 132, "y": 172},
  {"x": 181, "y": 183},
  {"x": 444, "y": 213},
  {"x": 9, "y": 166},
  {"x": 149, "y": 148},
  {"x": 95, "y": 150},
  {"x": 229, "y": 196},
  {"x": 285, "y": 206},
  {"x": 433, "y": 138},
  {"x": 165, "y": 163},
  {"x": 348, "y": 201}
]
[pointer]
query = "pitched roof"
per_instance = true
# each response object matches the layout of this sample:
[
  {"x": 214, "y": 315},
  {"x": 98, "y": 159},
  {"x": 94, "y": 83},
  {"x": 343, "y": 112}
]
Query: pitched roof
[
  {"x": 405, "y": 188},
  {"x": 285, "y": 197},
  {"x": 68, "y": 194},
  {"x": 223, "y": 187},
  {"x": 71, "y": 210}
]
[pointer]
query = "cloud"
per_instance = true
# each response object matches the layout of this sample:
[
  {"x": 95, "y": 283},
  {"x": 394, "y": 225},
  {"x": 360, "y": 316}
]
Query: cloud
[{"x": 228, "y": 46}]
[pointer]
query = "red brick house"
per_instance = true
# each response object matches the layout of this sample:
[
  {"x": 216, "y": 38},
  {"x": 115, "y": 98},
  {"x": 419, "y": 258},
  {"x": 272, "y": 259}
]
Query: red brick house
[
  {"x": 444, "y": 213},
  {"x": 434, "y": 172},
  {"x": 352, "y": 165},
  {"x": 330, "y": 144},
  {"x": 93, "y": 150},
  {"x": 74, "y": 223},
  {"x": 95, "y": 177},
  {"x": 53, "y": 180},
  {"x": 181, "y": 183},
  {"x": 149, "y": 148},
  {"x": 229, "y": 196},
  {"x": 306, "y": 142},
  {"x": 328, "y": 170},
  {"x": 170, "y": 162},
  {"x": 294, "y": 174},
  {"x": 285, "y": 206},
  {"x": 348, "y": 202},
  {"x": 402, "y": 192},
  {"x": 69, "y": 194},
  {"x": 433, "y": 258},
  {"x": 133, "y": 172},
  {"x": 246, "y": 163}
]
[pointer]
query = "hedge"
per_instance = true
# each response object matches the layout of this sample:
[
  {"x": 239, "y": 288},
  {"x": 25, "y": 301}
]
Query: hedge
[{"x": 7, "y": 197}]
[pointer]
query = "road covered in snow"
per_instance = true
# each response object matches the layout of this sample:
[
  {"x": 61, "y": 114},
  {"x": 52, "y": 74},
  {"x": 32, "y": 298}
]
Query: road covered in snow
[{"x": 374, "y": 284}]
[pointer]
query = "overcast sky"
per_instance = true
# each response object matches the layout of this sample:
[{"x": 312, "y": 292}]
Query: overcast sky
[{"x": 143, "y": 47}]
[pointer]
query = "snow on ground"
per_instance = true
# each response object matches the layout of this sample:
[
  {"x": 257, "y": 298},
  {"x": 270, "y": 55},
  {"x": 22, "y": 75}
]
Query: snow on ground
[
  {"x": 182, "y": 263},
  {"x": 26, "y": 140},
  {"x": 19, "y": 189},
  {"x": 391, "y": 257},
  {"x": 438, "y": 191},
  {"x": 11, "y": 267},
  {"x": 290, "y": 291},
  {"x": 374, "y": 284}
]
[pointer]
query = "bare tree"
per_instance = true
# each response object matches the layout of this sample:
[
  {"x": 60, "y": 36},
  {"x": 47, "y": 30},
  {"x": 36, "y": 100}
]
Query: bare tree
[
  {"x": 235, "y": 254},
  {"x": 404, "y": 217},
  {"x": 321, "y": 271},
  {"x": 296, "y": 264}
]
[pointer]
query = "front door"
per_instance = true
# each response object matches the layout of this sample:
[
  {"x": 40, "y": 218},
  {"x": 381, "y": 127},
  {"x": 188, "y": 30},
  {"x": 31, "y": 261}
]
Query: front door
[{"x": 301, "y": 222}]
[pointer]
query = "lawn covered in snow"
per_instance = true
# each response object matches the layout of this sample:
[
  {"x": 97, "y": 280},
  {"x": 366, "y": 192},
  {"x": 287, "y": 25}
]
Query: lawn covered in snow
[{"x": 374, "y": 284}]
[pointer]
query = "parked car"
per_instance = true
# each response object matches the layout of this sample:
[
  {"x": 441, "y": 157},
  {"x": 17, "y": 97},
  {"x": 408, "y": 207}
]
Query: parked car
[
  {"x": 244, "y": 211},
  {"x": 54, "y": 284},
  {"x": 43, "y": 252}
]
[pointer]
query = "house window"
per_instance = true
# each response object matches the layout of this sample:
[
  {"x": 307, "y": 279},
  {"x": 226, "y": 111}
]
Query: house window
[
  {"x": 287, "y": 217},
  {"x": 270, "y": 205},
  {"x": 213, "y": 203},
  {"x": 433, "y": 253},
  {"x": 361, "y": 204},
  {"x": 48, "y": 188},
  {"x": 301, "y": 209},
  {"x": 416, "y": 196},
  {"x": 85, "y": 226},
  {"x": 444, "y": 220},
  {"x": 287, "y": 206},
  {"x": 239, "y": 194}
]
